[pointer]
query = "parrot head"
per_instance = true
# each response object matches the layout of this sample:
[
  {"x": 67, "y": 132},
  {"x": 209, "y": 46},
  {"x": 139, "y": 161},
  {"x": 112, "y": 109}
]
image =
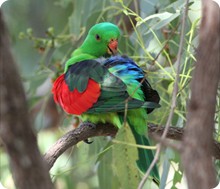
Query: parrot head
[{"x": 102, "y": 40}]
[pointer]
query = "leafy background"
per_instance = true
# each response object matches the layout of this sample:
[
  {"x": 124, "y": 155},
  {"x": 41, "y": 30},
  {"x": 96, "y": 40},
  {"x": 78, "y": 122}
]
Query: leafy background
[{"x": 43, "y": 35}]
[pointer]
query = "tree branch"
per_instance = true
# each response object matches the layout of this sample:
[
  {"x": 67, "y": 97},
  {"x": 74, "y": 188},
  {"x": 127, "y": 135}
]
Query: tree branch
[
  {"x": 27, "y": 165},
  {"x": 197, "y": 143},
  {"x": 85, "y": 131}
]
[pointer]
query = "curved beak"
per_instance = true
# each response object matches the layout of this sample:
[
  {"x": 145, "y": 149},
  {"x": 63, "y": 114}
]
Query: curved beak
[{"x": 113, "y": 47}]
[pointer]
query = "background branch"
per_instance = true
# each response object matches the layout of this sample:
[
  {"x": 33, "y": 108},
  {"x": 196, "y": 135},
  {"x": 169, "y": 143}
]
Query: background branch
[
  {"x": 28, "y": 168},
  {"x": 85, "y": 131},
  {"x": 198, "y": 139}
]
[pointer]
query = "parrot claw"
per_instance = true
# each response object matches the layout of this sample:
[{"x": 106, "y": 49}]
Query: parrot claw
[
  {"x": 91, "y": 125},
  {"x": 87, "y": 141}
]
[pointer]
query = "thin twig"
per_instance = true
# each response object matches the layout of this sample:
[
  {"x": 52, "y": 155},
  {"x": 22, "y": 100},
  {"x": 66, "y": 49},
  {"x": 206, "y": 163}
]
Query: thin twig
[
  {"x": 174, "y": 97},
  {"x": 134, "y": 145},
  {"x": 167, "y": 142}
]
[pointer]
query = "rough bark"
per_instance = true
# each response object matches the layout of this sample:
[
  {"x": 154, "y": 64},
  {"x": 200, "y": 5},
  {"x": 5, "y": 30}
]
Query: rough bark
[
  {"x": 27, "y": 165},
  {"x": 74, "y": 136},
  {"x": 197, "y": 142},
  {"x": 84, "y": 131}
]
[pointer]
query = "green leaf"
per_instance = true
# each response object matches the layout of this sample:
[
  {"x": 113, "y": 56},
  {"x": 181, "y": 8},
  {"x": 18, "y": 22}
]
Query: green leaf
[
  {"x": 124, "y": 160},
  {"x": 165, "y": 173},
  {"x": 174, "y": 187},
  {"x": 106, "y": 178},
  {"x": 164, "y": 18},
  {"x": 105, "y": 150},
  {"x": 177, "y": 177}
]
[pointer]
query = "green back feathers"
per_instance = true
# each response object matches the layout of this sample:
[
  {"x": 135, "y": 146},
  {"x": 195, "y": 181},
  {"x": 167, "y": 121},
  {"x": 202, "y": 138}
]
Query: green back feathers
[{"x": 77, "y": 58}]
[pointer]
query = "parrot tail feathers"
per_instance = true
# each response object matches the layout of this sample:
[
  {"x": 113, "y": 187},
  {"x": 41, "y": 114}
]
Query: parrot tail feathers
[{"x": 145, "y": 156}]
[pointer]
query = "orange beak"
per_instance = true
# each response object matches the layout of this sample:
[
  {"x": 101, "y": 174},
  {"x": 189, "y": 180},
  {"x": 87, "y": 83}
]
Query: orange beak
[{"x": 113, "y": 47}]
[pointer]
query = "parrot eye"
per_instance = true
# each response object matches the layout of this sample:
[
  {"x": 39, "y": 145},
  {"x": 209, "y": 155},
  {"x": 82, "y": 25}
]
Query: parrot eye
[{"x": 98, "y": 38}]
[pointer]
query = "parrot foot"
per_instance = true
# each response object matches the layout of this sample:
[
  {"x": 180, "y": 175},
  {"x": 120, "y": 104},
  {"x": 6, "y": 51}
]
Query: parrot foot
[
  {"x": 87, "y": 141},
  {"x": 91, "y": 125}
]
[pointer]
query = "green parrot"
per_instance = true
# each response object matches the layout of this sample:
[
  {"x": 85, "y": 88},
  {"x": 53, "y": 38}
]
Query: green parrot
[{"x": 98, "y": 84}]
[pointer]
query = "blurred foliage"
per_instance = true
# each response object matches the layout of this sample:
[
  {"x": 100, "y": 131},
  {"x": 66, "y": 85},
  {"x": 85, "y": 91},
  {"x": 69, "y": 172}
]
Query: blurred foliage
[{"x": 44, "y": 34}]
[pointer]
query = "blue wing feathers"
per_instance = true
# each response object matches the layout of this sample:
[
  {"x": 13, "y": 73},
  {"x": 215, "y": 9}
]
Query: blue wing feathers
[
  {"x": 123, "y": 66},
  {"x": 127, "y": 70}
]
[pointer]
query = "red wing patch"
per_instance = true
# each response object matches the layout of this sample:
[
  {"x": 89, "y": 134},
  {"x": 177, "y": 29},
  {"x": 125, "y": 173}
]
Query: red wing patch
[{"x": 74, "y": 102}]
